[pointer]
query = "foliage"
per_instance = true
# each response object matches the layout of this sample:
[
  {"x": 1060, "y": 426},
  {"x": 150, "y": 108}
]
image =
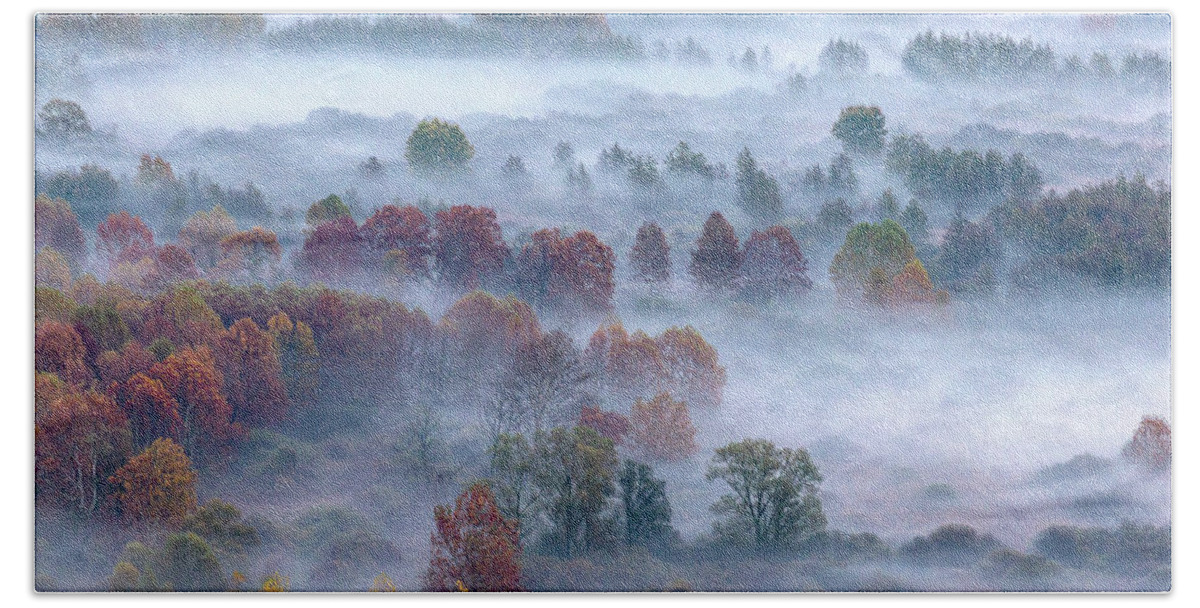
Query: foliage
[
  {"x": 951, "y": 544},
  {"x": 250, "y": 256},
  {"x": 575, "y": 475},
  {"x": 574, "y": 273},
  {"x": 406, "y": 229},
  {"x": 651, "y": 255},
  {"x": 540, "y": 387},
  {"x": 62, "y": 119},
  {"x": 774, "y": 492},
  {"x": 157, "y": 485},
  {"x": 189, "y": 564},
  {"x": 79, "y": 439},
  {"x": 59, "y": 349},
  {"x": 512, "y": 468},
  {"x": 473, "y": 546},
  {"x": 1128, "y": 548},
  {"x": 662, "y": 428},
  {"x": 965, "y": 179},
  {"x": 55, "y": 226},
  {"x": 757, "y": 192},
  {"x": 333, "y": 250},
  {"x": 203, "y": 234},
  {"x": 861, "y": 130},
  {"x": 965, "y": 258},
  {"x": 610, "y": 425},
  {"x": 773, "y": 265},
  {"x": 221, "y": 525},
  {"x": 716, "y": 261},
  {"x": 435, "y": 146},
  {"x": 645, "y": 509},
  {"x": 878, "y": 264},
  {"x": 325, "y": 210},
  {"x": 123, "y": 238},
  {"x": 681, "y": 160},
  {"x": 91, "y": 190},
  {"x": 469, "y": 249},
  {"x": 250, "y": 365},
  {"x": 843, "y": 58},
  {"x": 1151, "y": 444}
]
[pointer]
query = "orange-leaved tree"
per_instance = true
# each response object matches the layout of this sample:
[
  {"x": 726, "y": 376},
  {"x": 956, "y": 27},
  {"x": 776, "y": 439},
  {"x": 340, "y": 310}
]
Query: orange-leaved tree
[
  {"x": 473, "y": 545},
  {"x": 662, "y": 428},
  {"x": 157, "y": 485}
]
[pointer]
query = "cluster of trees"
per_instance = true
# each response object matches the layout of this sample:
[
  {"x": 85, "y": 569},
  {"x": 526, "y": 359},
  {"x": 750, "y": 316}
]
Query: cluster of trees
[
  {"x": 965, "y": 179},
  {"x": 567, "y": 493},
  {"x": 1116, "y": 233},
  {"x": 843, "y": 58},
  {"x": 770, "y": 264},
  {"x": 996, "y": 57}
]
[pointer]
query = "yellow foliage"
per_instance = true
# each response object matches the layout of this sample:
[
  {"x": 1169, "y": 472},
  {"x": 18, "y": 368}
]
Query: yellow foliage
[{"x": 276, "y": 583}]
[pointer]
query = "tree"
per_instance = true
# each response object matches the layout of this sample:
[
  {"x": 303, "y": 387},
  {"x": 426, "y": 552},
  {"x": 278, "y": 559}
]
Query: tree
[
  {"x": 868, "y": 246},
  {"x": 564, "y": 155},
  {"x": 325, "y": 210},
  {"x": 834, "y": 218},
  {"x": 915, "y": 222},
  {"x": 964, "y": 260},
  {"x": 189, "y": 564},
  {"x": 758, "y": 193},
  {"x": 193, "y": 380},
  {"x": 610, "y": 425},
  {"x": 473, "y": 546},
  {"x": 651, "y": 255},
  {"x": 773, "y": 265},
  {"x": 861, "y": 130},
  {"x": 55, "y": 226},
  {"x": 253, "y": 376},
  {"x": 683, "y": 161},
  {"x": 1151, "y": 444},
  {"x": 469, "y": 248},
  {"x": 843, "y": 58},
  {"x": 887, "y": 208},
  {"x": 512, "y": 469},
  {"x": 572, "y": 273},
  {"x": 251, "y": 255},
  {"x": 58, "y": 349},
  {"x": 62, "y": 119},
  {"x": 514, "y": 168},
  {"x": 220, "y": 524},
  {"x": 486, "y": 327},
  {"x": 299, "y": 359},
  {"x": 662, "y": 428},
  {"x": 333, "y": 249},
  {"x": 117, "y": 366},
  {"x": 50, "y": 269},
  {"x": 406, "y": 229},
  {"x": 716, "y": 261},
  {"x": 540, "y": 388},
  {"x": 646, "y": 511},
  {"x": 79, "y": 440},
  {"x": 172, "y": 264},
  {"x": 154, "y": 171},
  {"x": 123, "y": 238},
  {"x": 436, "y": 146},
  {"x": 203, "y": 233},
  {"x": 576, "y": 471},
  {"x": 774, "y": 492},
  {"x": 151, "y": 410},
  {"x": 690, "y": 367},
  {"x": 157, "y": 485}
]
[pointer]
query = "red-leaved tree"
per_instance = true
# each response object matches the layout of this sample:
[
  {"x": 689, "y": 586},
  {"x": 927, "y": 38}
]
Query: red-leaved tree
[
  {"x": 404, "y": 229},
  {"x": 716, "y": 261},
  {"x": 469, "y": 248},
  {"x": 474, "y": 547},
  {"x": 651, "y": 255}
]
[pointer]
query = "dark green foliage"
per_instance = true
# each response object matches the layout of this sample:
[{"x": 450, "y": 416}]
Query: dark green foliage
[
  {"x": 840, "y": 180},
  {"x": 92, "y": 191},
  {"x": 887, "y": 208},
  {"x": 512, "y": 479},
  {"x": 643, "y": 172},
  {"x": 221, "y": 525},
  {"x": 951, "y": 544},
  {"x": 915, "y": 222},
  {"x": 757, "y": 193},
  {"x": 973, "y": 56},
  {"x": 1014, "y": 565},
  {"x": 1130, "y": 548},
  {"x": 1117, "y": 233},
  {"x": 683, "y": 161},
  {"x": 514, "y": 167},
  {"x": 615, "y": 159},
  {"x": 348, "y": 548},
  {"x": 861, "y": 130},
  {"x": 884, "y": 246},
  {"x": 965, "y": 179},
  {"x": 575, "y": 475},
  {"x": 189, "y": 564},
  {"x": 161, "y": 348},
  {"x": 647, "y": 513},
  {"x": 834, "y": 219},
  {"x": 774, "y": 500},
  {"x": 101, "y": 327},
  {"x": 965, "y": 260},
  {"x": 62, "y": 119},
  {"x": 843, "y": 58}
]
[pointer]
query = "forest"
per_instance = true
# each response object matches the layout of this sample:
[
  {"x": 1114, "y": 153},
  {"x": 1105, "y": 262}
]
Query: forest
[{"x": 845, "y": 327}]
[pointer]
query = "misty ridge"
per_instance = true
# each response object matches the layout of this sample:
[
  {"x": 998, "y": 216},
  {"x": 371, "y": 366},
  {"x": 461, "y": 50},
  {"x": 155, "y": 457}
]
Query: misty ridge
[{"x": 630, "y": 302}]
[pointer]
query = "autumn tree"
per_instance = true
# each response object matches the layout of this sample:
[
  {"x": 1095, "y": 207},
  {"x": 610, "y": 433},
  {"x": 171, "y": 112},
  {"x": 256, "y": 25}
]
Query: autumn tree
[
  {"x": 327, "y": 209},
  {"x": 757, "y": 192},
  {"x": 624, "y": 366},
  {"x": 333, "y": 249},
  {"x": 436, "y": 146},
  {"x": 58, "y": 349},
  {"x": 79, "y": 441},
  {"x": 572, "y": 273},
  {"x": 222, "y": 526},
  {"x": 157, "y": 485},
  {"x": 1151, "y": 444},
  {"x": 118, "y": 365},
  {"x": 487, "y": 327},
  {"x": 151, "y": 410},
  {"x": 56, "y": 226},
  {"x": 610, "y": 425},
  {"x": 172, "y": 264},
  {"x": 861, "y": 130},
  {"x": 404, "y": 229},
  {"x": 253, "y": 376},
  {"x": 773, "y": 265},
  {"x": 540, "y": 387},
  {"x": 644, "y": 506},
  {"x": 181, "y": 315},
  {"x": 203, "y": 233},
  {"x": 299, "y": 359},
  {"x": 474, "y": 547},
  {"x": 193, "y": 380},
  {"x": 662, "y": 428},
  {"x": 251, "y": 256},
  {"x": 868, "y": 246},
  {"x": 691, "y": 369},
  {"x": 576, "y": 473},
  {"x": 716, "y": 261},
  {"x": 651, "y": 255},
  {"x": 50, "y": 269},
  {"x": 773, "y": 499},
  {"x": 469, "y": 249},
  {"x": 123, "y": 238},
  {"x": 153, "y": 170}
]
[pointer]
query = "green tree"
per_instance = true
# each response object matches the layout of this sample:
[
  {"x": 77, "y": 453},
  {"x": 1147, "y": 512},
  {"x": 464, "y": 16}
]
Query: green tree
[
  {"x": 758, "y": 193},
  {"x": 221, "y": 524},
  {"x": 861, "y": 129},
  {"x": 647, "y": 513},
  {"x": 436, "y": 146},
  {"x": 512, "y": 476},
  {"x": 915, "y": 222},
  {"x": 326, "y": 210},
  {"x": 869, "y": 246},
  {"x": 189, "y": 564},
  {"x": 62, "y": 119},
  {"x": 774, "y": 499},
  {"x": 575, "y": 475}
]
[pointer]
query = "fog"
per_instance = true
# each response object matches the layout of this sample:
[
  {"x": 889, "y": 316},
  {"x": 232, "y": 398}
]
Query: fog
[{"x": 955, "y": 415}]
